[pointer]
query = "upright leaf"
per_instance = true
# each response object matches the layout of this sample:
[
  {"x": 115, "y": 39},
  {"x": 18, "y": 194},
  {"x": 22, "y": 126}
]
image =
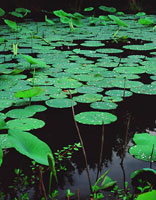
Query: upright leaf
[{"x": 29, "y": 145}]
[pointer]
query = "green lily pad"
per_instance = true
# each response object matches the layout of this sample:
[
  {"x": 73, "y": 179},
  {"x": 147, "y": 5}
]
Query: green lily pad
[
  {"x": 88, "y": 98},
  {"x": 25, "y": 124},
  {"x": 92, "y": 43},
  {"x": 109, "y": 50},
  {"x": 5, "y": 103},
  {"x": 2, "y": 116},
  {"x": 103, "y": 105},
  {"x": 89, "y": 89},
  {"x": 29, "y": 145},
  {"x": 119, "y": 93},
  {"x": 19, "y": 113},
  {"x": 145, "y": 89},
  {"x": 131, "y": 70},
  {"x": 139, "y": 47},
  {"x": 36, "y": 108},
  {"x": 4, "y": 142},
  {"x": 60, "y": 103},
  {"x": 144, "y": 146},
  {"x": 67, "y": 83},
  {"x": 95, "y": 118}
]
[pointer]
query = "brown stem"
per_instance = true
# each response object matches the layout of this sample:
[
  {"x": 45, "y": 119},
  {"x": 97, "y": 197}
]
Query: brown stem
[
  {"x": 81, "y": 141},
  {"x": 101, "y": 151},
  {"x": 41, "y": 184}
]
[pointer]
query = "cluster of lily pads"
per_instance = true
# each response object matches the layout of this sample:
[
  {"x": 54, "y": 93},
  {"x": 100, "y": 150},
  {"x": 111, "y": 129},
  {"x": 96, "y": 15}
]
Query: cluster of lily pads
[{"x": 45, "y": 62}]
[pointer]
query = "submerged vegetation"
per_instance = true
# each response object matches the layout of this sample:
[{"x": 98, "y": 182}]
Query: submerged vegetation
[{"x": 66, "y": 61}]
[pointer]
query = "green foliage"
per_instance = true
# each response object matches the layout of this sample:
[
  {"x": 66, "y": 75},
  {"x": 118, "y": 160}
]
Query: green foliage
[
  {"x": 118, "y": 21},
  {"x": 11, "y": 24},
  {"x": 32, "y": 92},
  {"x": 49, "y": 21},
  {"x": 146, "y": 21},
  {"x": 2, "y": 12},
  {"x": 145, "y": 147},
  {"x": 148, "y": 195},
  {"x": 1, "y": 156},
  {"x": 29, "y": 145},
  {"x": 107, "y": 9}
]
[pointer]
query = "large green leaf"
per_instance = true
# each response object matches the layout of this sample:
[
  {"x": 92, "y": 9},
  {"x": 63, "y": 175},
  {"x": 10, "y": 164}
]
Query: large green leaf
[
  {"x": 29, "y": 145},
  {"x": 147, "y": 196},
  {"x": 2, "y": 12},
  {"x": 145, "y": 147},
  {"x": 35, "y": 91},
  {"x": 11, "y": 24},
  {"x": 118, "y": 21}
]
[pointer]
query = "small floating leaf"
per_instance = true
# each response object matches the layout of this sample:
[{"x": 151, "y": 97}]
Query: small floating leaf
[
  {"x": 103, "y": 105},
  {"x": 95, "y": 118},
  {"x": 147, "y": 195},
  {"x": 119, "y": 93},
  {"x": 60, "y": 103},
  {"x": 118, "y": 21}
]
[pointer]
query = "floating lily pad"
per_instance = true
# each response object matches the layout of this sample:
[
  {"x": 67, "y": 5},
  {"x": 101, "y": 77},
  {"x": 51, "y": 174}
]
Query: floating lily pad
[
  {"x": 36, "y": 108},
  {"x": 5, "y": 103},
  {"x": 25, "y": 124},
  {"x": 1, "y": 156},
  {"x": 67, "y": 83},
  {"x": 145, "y": 89},
  {"x": 95, "y": 118},
  {"x": 92, "y": 43},
  {"x": 131, "y": 70},
  {"x": 32, "y": 92},
  {"x": 103, "y": 105},
  {"x": 60, "y": 103},
  {"x": 88, "y": 98},
  {"x": 19, "y": 113},
  {"x": 144, "y": 146},
  {"x": 139, "y": 47},
  {"x": 89, "y": 89},
  {"x": 119, "y": 93},
  {"x": 113, "y": 99},
  {"x": 2, "y": 116},
  {"x": 4, "y": 142},
  {"x": 109, "y": 50}
]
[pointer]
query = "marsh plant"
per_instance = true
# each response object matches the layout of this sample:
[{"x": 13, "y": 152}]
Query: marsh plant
[{"x": 48, "y": 66}]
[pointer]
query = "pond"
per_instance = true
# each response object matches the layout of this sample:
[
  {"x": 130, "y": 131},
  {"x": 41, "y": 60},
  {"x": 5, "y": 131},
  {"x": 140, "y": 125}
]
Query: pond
[{"x": 61, "y": 82}]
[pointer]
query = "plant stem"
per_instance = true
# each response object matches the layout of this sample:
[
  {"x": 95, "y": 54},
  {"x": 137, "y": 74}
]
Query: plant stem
[
  {"x": 50, "y": 183},
  {"x": 41, "y": 184},
  {"x": 101, "y": 151},
  {"x": 81, "y": 141},
  {"x": 151, "y": 156}
]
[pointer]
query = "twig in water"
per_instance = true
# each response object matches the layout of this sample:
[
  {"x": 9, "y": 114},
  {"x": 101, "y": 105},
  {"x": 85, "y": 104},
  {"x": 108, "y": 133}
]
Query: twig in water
[
  {"x": 101, "y": 151},
  {"x": 81, "y": 141},
  {"x": 41, "y": 184},
  {"x": 151, "y": 156}
]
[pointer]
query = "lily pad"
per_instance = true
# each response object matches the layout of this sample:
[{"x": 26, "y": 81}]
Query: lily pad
[
  {"x": 103, "y": 105},
  {"x": 145, "y": 89},
  {"x": 89, "y": 89},
  {"x": 25, "y": 124},
  {"x": 60, "y": 103},
  {"x": 67, "y": 83},
  {"x": 143, "y": 147},
  {"x": 131, "y": 70},
  {"x": 88, "y": 98},
  {"x": 36, "y": 108},
  {"x": 19, "y": 113},
  {"x": 109, "y": 50},
  {"x": 1, "y": 156},
  {"x": 4, "y": 142},
  {"x": 119, "y": 93},
  {"x": 95, "y": 118}
]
